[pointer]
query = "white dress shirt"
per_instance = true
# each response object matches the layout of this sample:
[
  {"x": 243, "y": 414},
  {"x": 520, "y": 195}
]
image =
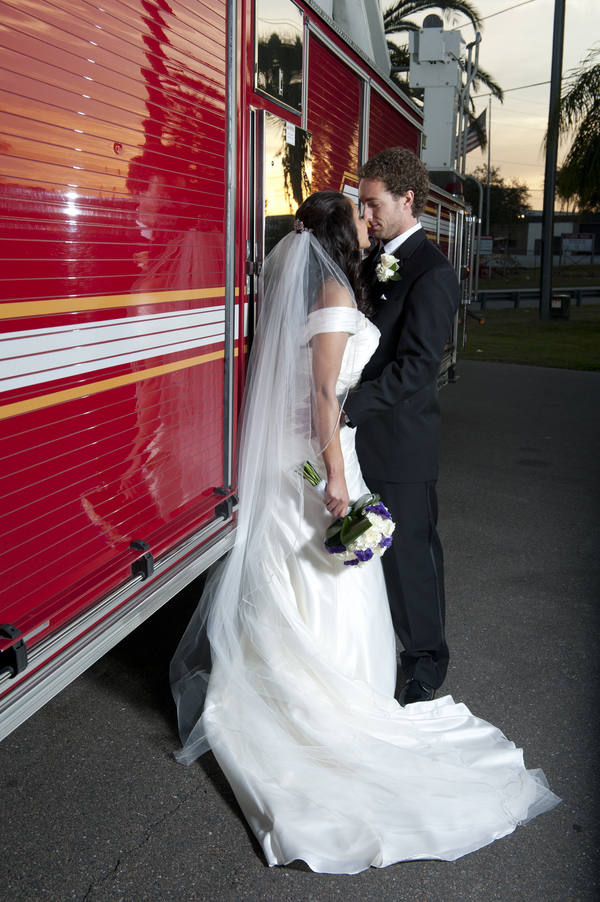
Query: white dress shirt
[{"x": 395, "y": 243}]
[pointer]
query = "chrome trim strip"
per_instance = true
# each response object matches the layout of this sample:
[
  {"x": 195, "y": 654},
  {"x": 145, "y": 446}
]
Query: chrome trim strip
[
  {"x": 259, "y": 205},
  {"x": 305, "y": 64},
  {"x": 230, "y": 240},
  {"x": 365, "y": 123},
  {"x": 450, "y": 200}
]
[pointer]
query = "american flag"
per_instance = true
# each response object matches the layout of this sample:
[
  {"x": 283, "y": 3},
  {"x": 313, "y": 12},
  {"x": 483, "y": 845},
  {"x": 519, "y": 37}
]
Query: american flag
[{"x": 472, "y": 136}]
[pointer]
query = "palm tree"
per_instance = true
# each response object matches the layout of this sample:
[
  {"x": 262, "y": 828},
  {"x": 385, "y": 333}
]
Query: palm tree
[
  {"x": 578, "y": 117},
  {"x": 396, "y": 20}
]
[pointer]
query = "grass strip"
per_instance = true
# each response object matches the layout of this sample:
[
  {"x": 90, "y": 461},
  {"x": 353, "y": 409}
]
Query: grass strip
[{"x": 518, "y": 336}]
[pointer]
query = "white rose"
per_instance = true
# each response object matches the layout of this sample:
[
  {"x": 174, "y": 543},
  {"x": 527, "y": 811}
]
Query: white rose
[{"x": 387, "y": 268}]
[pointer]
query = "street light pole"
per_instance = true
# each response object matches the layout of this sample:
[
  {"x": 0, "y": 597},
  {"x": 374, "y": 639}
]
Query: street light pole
[
  {"x": 551, "y": 159},
  {"x": 489, "y": 144}
]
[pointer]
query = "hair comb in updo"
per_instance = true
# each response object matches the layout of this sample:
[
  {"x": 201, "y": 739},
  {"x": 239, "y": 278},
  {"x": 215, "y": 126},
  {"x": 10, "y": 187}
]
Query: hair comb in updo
[{"x": 300, "y": 227}]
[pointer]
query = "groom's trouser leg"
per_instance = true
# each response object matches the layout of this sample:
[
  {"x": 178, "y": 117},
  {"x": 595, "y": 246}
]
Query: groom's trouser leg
[{"x": 414, "y": 575}]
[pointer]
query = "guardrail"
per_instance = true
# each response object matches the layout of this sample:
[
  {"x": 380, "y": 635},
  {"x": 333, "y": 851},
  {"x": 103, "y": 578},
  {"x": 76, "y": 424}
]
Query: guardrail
[{"x": 520, "y": 295}]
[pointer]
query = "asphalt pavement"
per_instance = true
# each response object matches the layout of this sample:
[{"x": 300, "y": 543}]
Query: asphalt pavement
[{"x": 96, "y": 809}]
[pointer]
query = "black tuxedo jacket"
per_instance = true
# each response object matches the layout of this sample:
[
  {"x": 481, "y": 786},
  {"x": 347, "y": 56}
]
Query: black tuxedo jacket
[{"x": 396, "y": 408}]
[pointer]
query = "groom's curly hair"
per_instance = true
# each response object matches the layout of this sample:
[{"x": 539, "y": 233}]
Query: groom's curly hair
[
  {"x": 400, "y": 170},
  {"x": 330, "y": 216}
]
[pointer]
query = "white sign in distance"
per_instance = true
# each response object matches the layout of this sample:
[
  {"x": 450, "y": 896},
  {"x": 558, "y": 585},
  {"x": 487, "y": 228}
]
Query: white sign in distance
[
  {"x": 486, "y": 245},
  {"x": 578, "y": 241}
]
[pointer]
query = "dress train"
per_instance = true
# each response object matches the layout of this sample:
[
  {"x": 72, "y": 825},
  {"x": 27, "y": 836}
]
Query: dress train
[{"x": 327, "y": 767}]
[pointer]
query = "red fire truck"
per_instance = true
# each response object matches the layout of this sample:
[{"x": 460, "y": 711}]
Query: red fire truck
[{"x": 153, "y": 152}]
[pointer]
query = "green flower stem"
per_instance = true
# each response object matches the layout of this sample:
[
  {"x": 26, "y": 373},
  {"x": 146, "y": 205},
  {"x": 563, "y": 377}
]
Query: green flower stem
[{"x": 310, "y": 474}]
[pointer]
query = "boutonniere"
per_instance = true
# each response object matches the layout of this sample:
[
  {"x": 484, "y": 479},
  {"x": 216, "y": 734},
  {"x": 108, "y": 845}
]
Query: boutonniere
[{"x": 387, "y": 269}]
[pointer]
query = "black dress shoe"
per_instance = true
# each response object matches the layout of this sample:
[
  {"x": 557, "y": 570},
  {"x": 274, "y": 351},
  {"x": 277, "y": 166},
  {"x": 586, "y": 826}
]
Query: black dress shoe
[{"x": 415, "y": 691}]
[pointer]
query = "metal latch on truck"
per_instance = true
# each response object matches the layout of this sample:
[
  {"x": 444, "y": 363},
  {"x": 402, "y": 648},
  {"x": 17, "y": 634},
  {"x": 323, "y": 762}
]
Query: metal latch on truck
[{"x": 13, "y": 659}]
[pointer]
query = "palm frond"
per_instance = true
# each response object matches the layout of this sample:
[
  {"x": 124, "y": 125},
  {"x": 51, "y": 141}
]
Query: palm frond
[
  {"x": 401, "y": 26},
  {"x": 579, "y": 176},
  {"x": 395, "y": 18},
  {"x": 577, "y": 117},
  {"x": 484, "y": 79},
  {"x": 581, "y": 95},
  {"x": 399, "y": 54}
]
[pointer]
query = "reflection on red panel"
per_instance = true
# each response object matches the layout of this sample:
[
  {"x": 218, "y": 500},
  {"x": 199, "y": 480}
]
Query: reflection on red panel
[
  {"x": 112, "y": 189},
  {"x": 114, "y": 129},
  {"x": 387, "y": 130},
  {"x": 128, "y": 470},
  {"x": 333, "y": 117}
]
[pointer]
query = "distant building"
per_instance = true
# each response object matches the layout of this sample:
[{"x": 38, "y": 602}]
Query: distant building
[{"x": 528, "y": 233}]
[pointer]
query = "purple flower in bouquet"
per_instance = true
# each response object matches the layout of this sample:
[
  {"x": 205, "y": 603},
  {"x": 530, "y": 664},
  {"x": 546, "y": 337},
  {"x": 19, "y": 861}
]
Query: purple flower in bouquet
[
  {"x": 380, "y": 509},
  {"x": 360, "y": 557}
]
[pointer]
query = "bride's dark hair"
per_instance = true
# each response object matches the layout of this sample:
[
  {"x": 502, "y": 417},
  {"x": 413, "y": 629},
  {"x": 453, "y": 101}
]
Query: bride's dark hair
[{"x": 330, "y": 216}]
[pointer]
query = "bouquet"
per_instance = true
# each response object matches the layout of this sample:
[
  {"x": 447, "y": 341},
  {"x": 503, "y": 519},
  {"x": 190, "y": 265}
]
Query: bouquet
[{"x": 365, "y": 531}]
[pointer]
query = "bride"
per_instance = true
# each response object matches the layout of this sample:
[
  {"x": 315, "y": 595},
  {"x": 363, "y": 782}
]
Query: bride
[{"x": 287, "y": 669}]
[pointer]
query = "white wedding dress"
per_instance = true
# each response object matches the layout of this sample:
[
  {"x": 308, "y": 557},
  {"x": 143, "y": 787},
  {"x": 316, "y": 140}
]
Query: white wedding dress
[{"x": 324, "y": 763}]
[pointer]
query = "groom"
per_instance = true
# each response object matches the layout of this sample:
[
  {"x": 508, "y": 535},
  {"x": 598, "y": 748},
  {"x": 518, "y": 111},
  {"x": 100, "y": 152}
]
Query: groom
[{"x": 396, "y": 409}]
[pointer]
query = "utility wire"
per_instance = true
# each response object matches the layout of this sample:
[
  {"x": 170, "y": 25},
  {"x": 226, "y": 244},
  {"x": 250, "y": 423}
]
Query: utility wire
[
  {"x": 520, "y": 88},
  {"x": 543, "y": 103},
  {"x": 508, "y": 8}
]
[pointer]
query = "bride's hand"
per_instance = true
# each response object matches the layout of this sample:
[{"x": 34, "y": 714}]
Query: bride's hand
[{"x": 337, "y": 500}]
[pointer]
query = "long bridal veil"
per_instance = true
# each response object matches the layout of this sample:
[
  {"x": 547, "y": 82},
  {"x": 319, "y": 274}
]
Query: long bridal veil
[{"x": 279, "y": 431}]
